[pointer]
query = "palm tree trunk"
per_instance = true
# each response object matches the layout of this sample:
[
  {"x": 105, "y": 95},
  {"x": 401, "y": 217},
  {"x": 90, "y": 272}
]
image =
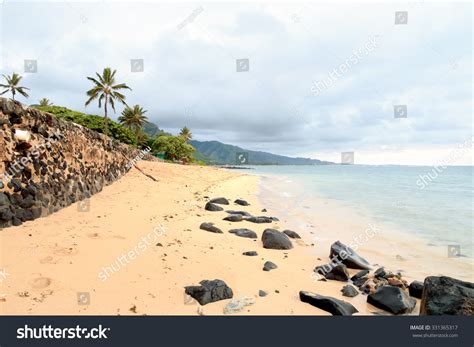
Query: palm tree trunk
[
  {"x": 137, "y": 133},
  {"x": 106, "y": 123}
]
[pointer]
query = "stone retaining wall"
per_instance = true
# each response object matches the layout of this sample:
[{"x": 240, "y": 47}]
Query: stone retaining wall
[{"x": 47, "y": 163}]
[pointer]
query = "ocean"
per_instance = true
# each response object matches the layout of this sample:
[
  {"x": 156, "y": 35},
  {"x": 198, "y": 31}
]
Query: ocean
[{"x": 433, "y": 204}]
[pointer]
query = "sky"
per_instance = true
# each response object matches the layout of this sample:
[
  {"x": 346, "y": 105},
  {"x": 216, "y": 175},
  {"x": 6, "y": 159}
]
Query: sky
[{"x": 322, "y": 78}]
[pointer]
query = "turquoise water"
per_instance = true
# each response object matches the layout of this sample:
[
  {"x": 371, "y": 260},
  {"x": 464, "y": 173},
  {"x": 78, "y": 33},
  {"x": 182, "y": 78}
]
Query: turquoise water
[{"x": 436, "y": 205}]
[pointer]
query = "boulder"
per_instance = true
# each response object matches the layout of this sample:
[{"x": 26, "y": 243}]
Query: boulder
[
  {"x": 360, "y": 275},
  {"x": 210, "y": 227},
  {"x": 273, "y": 239},
  {"x": 259, "y": 219},
  {"x": 244, "y": 233},
  {"x": 4, "y": 200},
  {"x": 220, "y": 201},
  {"x": 392, "y": 299},
  {"x": 210, "y": 291},
  {"x": 416, "y": 289},
  {"x": 262, "y": 293},
  {"x": 250, "y": 253},
  {"x": 241, "y": 202},
  {"x": 447, "y": 296},
  {"x": 213, "y": 207},
  {"x": 242, "y": 213},
  {"x": 349, "y": 291},
  {"x": 269, "y": 266},
  {"x": 234, "y": 218},
  {"x": 333, "y": 272},
  {"x": 382, "y": 273},
  {"x": 291, "y": 234},
  {"x": 332, "y": 305},
  {"x": 348, "y": 256}
]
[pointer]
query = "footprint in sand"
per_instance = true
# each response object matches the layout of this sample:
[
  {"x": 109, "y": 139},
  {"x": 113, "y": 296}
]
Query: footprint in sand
[
  {"x": 65, "y": 251},
  {"x": 40, "y": 282},
  {"x": 48, "y": 260}
]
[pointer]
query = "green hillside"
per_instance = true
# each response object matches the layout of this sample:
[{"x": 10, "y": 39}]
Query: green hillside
[{"x": 220, "y": 153}]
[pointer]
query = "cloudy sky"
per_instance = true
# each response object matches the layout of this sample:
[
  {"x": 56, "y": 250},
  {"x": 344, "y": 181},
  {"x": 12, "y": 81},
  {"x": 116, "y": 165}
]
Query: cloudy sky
[{"x": 322, "y": 79}]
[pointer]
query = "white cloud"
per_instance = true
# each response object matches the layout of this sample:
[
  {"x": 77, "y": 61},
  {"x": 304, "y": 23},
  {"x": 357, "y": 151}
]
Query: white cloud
[{"x": 425, "y": 65}]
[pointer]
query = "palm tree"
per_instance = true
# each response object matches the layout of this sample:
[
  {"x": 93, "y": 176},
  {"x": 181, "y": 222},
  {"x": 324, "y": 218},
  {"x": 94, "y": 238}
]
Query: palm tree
[
  {"x": 185, "y": 133},
  {"x": 12, "y": 85},
  {"x": 45, "y": 102},
  {"x": 134, "y": 119},
  {"x": 106, "y": 91}
]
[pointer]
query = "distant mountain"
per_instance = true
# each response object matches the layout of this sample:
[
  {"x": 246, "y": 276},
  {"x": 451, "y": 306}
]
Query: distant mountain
[
  {"x": 152, "y": 129},
  {"x": 221, "y": 153}
]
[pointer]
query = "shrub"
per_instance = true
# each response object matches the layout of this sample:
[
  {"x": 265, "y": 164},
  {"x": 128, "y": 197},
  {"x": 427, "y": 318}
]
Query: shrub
[
  {"x": 92, "y": 122},
  {"x": 174, "y": 148}
]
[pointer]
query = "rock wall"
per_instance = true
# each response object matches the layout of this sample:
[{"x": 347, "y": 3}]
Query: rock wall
[{"x": 47, "y": 163}]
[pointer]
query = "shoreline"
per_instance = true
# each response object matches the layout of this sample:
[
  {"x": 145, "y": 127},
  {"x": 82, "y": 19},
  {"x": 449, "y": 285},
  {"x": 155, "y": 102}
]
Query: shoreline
[
  {"x": 152, "y": 229},
  {"x": 315, "y": 213}
]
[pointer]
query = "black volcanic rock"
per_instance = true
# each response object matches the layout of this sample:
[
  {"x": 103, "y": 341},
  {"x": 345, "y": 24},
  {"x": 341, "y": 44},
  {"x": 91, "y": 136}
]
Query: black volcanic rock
[
  {"x": 234, "y": 218},
  {"x": 392, "y": 299},
  {"x": 349, "y": 291},
  {"x": 242, "y": 213},
  {"x": 273, "y": 239},
  {"x": 210, "y": 227},
  {"x": 220, "y": 201},
  {"x": 250, "y": 253},
  {"x": 4, "y": 200},
  {"x": 241, "y": 202},
  {"x": 326, "y": 303},
  {"x": 259, "y": 219},
  {"x": 348, "y": 256},
  {"x": 331, "y": 272},
  {"x": 359, "y": 275},
  {"x": 447, "y": 296},
  {"x": 244, "y": 233},
  {"x": 416, "y": 289},
  {"x": 210, "y": 291},
  {"x": 269, "y": 266},
  {"x": 292, "y": 234},
  {"x": 213, "y": 207}
]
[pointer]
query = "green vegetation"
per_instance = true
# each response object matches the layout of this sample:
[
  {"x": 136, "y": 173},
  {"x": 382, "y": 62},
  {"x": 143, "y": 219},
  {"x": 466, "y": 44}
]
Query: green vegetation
[
  {"x": 132, "y": 128},
  {"x": 220, "y": 153},
  {"x": 185, "y": 133},
  {"x": 12, "y": 86},
  {"x": 92, "y": 122},
  {"x": 45, "y": 102},
  {"x": 106, "y": 91},
  {"x": 134, "y": 118},
  {"x": 174, "y": 148}
]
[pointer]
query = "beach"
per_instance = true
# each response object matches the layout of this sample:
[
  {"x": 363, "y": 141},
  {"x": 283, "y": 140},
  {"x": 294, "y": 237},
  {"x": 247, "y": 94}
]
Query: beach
[{"x": 132, "y": 248}]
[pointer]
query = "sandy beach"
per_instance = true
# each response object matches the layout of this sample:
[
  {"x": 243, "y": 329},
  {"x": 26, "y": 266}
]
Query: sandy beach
[{"x": 62, "y": 264}]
